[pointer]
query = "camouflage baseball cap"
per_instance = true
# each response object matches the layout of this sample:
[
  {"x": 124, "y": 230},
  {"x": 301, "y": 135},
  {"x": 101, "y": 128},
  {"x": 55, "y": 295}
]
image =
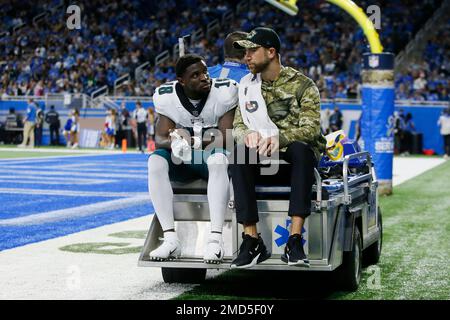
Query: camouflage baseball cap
[{"x": 260, "y": 37}]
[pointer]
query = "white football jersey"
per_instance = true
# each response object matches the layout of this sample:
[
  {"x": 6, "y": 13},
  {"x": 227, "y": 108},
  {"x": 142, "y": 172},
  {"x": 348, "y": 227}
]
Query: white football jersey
[{"x": 169, "y": 100}]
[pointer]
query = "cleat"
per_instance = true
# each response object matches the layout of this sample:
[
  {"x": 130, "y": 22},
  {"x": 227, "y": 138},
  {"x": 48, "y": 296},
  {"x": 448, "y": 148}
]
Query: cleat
[
  {"x": 214, "y": 249},
  {"x": 170, "y": 249}
]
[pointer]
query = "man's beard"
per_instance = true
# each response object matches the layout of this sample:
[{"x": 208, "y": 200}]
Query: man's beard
[{"x": 258, "y": 68}]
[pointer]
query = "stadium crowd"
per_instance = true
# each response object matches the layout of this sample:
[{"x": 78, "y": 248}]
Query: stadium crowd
[{"x": 117, "y": 37}]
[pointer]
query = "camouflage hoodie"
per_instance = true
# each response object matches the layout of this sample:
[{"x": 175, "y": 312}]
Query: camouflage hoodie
[{"x": 293, "y": 104}]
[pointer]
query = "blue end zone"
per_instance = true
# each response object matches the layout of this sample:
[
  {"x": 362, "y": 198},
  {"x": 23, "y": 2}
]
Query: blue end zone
[
  {"x": 11, "y": 237},
  {"x": 20, "y": 205},
  {"x": 69, "y": 183}
]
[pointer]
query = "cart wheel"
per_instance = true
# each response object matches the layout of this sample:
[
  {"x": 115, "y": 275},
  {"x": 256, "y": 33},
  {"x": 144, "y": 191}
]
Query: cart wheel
[
  {"x": 183, "y": 275},
  {"x": 372, "y": 254},
  {"x": 349, "y": 273}
]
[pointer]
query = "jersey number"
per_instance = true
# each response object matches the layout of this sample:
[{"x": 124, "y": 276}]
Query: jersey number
[
  {"x": 164, "y": 90},
  {"x": 220, "y": 83}
]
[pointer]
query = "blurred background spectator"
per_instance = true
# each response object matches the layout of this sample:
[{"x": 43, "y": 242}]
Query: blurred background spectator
[{"x": 116, "y": 37}]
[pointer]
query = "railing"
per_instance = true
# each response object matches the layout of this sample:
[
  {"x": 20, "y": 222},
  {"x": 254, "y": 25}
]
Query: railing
[
  {"x": 22, "y": 98},
  {"x": 415, "y": 103},
  {"x": 99, "y": 92},
  {"x": 416, "y": 45},
  {"x": 18, "y": 27},
  {"x": 99, "y": 99},
  {"x": 109, "y": 103},
  {"x": 87, "y": 101},
  {"x": 131, "y": 98},
  {"x": 40, "y": 17},
  {"x": 58, "y": 7},
  {"x": 242, "y": 6},
  {"x": 176, "y": 50},
  {"x": 121, "y": 81},
  {"x": 197, "y": 35},
  {"x": 227, "y": 17},
  {"x": 139, "y": 70},
  {"x": 212, "y": 27},
  {"x": 341, "y": 100},
  {"x": 36, "y": 19},
  {"x": 162, "y": 57}
]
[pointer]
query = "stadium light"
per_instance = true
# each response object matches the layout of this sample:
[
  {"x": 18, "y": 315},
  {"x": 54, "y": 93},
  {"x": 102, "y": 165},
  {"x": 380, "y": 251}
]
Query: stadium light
[{"x": 288, "y": 6}]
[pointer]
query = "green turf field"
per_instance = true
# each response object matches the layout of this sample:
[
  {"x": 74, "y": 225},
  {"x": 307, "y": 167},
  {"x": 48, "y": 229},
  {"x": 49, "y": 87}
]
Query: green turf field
[
  {"x": 414, "y": 262},
  {"x": 19, "y": 154},
  {"x": 31, "y": 153}
]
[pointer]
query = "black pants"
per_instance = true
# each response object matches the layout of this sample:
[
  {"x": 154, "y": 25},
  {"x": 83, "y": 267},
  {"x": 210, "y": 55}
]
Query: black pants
[
  {"x": 447, "y": 144},
  {"x": 142, "y": 135},
  {"x": 398, "y": 139},
  {"x": 54, "y": 134},
  {"x": 406, "y": 143},
  {"x": 38, "y": 136},
  {"x": 299, "y": 174}
]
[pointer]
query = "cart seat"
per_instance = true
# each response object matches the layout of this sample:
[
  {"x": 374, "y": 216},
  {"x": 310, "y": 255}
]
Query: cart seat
[
  {"x": 331, "y": 182},
  {"x": 198, "y": 186},
  {"x": 263, "y": 192}
]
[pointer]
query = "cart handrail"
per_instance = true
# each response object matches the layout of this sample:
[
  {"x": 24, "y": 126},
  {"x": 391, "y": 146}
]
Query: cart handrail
[
  {"x": 347, "y": 198},
  {"x": 318, "y": 189}
]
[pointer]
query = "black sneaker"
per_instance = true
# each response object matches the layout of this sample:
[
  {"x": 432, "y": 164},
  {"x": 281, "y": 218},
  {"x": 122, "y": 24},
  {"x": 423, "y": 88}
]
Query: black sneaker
[
  {"x": 293, "y": 252},
  {"x": 251, "y": 252}
]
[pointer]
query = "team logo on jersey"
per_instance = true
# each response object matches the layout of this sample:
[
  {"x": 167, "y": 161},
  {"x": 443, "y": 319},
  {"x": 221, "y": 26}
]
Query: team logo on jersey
[
  {"x": 251, "y": 106},
  {"x": 199, "y": 120}
]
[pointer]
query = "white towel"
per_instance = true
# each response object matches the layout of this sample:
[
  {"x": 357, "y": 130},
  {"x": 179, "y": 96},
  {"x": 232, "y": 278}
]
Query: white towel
[{"x": 254, "y": 108}]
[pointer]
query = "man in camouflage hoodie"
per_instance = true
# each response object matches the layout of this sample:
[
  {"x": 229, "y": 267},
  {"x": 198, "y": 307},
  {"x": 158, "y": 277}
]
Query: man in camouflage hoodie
[{"x": 293, "y": 105}]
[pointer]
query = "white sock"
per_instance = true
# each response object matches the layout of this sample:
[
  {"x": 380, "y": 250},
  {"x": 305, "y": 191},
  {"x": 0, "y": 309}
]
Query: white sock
[
  {"x": 170, "y": 236},
  {"x": 160, "y": 191},
  {"x": 215, "y": 237},
  {"x": 218, "y": 187}
]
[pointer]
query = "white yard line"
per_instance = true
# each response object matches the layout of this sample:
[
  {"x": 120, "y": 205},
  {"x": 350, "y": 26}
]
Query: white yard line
[
  {"x": 53, "y": 180},
  {"x": 77, "y": 212},
  {"x": 78, "y": 173},
  {"x": 70, "y": 193},
  {"x": 93, "y": 163},
  {"x": 75, "y": 169},
  {"x": 68, "y": 150}
]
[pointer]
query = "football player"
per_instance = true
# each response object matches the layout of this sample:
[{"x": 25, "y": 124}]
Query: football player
[{"x": 196, "y": 103}]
